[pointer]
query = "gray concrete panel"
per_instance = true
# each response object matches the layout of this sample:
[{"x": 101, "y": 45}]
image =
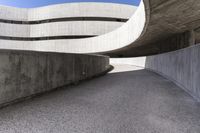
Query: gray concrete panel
[
  {"x": 165, "y": 18},
  {"x": 26, "y": 73},
  {"x": 181, "y": 66}
]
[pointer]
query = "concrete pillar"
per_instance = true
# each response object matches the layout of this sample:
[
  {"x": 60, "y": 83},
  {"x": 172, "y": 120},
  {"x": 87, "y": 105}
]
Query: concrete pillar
[{"x": 191, "y": 37}]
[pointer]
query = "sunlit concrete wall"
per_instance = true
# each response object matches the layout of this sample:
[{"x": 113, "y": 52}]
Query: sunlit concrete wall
[
  {"x": 68, "y": 10},
  {"x": 142, "y": 35},
  {"x": 59, "y": 29},
  {"x": 120, "y": 37}
]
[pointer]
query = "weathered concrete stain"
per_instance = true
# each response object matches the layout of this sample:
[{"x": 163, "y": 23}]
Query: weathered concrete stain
[
  {"x": 181, "y": 66},
  {"x": 25, "y": 73}
]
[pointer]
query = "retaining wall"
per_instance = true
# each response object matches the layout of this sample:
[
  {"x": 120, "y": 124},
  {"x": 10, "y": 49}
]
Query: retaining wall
[
  {"x": 182, "y": 67},
  {"x": 26, "y": 73}
]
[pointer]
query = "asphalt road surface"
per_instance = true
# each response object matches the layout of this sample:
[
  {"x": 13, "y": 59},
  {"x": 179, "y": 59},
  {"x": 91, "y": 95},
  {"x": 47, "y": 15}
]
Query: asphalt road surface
[{"x": 127, "y": 100}]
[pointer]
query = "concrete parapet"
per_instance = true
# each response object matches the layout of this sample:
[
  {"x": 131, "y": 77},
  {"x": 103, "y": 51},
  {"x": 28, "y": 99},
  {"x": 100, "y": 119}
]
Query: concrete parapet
[
  {"x": 26, "y": 73},
  {"x": 182, "y": 67}
]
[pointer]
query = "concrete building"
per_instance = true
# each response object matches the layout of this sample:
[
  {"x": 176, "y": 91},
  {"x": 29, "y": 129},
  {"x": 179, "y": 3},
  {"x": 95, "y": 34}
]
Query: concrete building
[
  {"x": 46, "y": 48},
  {"x": 53, "y": 25}
]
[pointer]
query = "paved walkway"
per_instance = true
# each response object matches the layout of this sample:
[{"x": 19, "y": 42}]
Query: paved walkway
[{"x": 137, "y": 101}]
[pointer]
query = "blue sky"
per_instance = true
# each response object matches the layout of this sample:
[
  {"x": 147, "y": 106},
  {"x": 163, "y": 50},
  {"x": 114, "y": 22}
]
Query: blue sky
[{"x": 37, "y": 3}]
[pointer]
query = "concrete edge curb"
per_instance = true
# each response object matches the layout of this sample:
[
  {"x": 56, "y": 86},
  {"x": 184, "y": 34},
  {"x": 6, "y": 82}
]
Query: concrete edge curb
[{"x": 176, "y": 83}]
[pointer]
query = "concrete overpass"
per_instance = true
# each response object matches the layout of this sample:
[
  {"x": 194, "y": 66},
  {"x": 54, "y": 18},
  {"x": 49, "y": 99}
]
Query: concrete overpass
[{"x": 137, "y": 101}]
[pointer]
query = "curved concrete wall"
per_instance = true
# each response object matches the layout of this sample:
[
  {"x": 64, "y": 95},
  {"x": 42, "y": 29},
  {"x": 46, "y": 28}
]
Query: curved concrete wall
[
  {"x": 83, "y": 9},
  {"x": 121, "y": 37},
  {"x": 26, "y": 73},
  {"x": 145, "y": 33},
  {"x": 101, "y": 19},
  {"x": 182, "y": 67},
  {"x": 59, "y": 29}
]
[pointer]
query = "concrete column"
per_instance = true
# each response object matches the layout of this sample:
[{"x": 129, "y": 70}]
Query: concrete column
[{"x": 191, "y": 37}]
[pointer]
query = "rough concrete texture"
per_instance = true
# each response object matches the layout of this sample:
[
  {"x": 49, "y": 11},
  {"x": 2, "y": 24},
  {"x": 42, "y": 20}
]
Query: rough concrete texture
[
  {"x": 180, "y": 66},
  {"x": 127, "y": 102},
  {"x": 164, "y": 20},
  {"x": 25, "y": 73}
]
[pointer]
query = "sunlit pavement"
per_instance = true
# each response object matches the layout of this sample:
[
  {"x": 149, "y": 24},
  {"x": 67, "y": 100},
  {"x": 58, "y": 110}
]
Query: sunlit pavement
[
  {"x": 127, "y": 100},
  {"x": 124, "y": 68}
]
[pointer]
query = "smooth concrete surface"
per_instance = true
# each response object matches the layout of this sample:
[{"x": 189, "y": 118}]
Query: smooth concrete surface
[
  {"x": 26, "y": 73},
  {"x": 137, "y": 61},
  {"x": 127, "y": 102},
  {"x": 67, "y": 10},
  {"x": 124, "y": 68},
  {"x": 182, "y": 67},
  {"x": 146, "y": 32},
  {"x": 59, "y": 29},
  {"x": 124, "y": 35},
  {"x": 78, "y": 9},
  {"x": 164, "y": 20}
]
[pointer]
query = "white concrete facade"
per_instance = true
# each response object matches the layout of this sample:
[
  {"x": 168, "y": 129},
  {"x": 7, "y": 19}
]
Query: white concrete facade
[
  {"x": 59, "y": 28},
  {"x": 122, "y": 36},
  {"x": 149, "y": 24},
  {"x": 86, "y": 27},
  {"x": 82, "y": 9}
]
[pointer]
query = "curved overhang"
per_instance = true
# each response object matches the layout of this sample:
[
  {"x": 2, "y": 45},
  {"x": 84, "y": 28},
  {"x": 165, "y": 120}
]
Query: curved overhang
[
  {"x": 154, "y": 20},
  {"x": 106, "y": 42},
  {"x": 169, "y": 25},
  {"x": 77, "y": 20}
]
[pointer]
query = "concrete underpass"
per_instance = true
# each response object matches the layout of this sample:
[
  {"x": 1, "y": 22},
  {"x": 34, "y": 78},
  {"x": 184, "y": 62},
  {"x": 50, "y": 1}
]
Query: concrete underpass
[
  {"x": 127, "y": 100},
  {"x": 56, "y": 62}
]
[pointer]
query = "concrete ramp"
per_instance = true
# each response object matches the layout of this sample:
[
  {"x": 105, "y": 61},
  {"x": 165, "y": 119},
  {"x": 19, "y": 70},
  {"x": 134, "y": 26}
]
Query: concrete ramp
[{"x": 126, "y": 102}]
